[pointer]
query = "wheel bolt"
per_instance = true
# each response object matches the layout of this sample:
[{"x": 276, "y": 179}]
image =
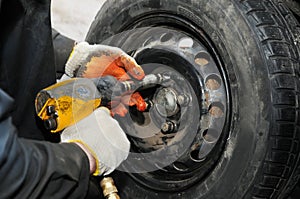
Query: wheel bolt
[
  {"x": 168, "y": 127},
  {"x": 183, "y": 100}
]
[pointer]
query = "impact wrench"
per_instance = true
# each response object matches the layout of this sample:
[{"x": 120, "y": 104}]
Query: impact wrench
[{"x": 68, "y": 102}]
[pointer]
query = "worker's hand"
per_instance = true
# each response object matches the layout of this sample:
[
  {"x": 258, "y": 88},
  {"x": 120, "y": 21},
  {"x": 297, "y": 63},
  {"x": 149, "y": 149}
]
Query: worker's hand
[
  {"x": 118, "y": 104},
  {"x": 109, "y": 87},
  {"x": 103, "y": 137},
  {"x": 94, "y": 61}
]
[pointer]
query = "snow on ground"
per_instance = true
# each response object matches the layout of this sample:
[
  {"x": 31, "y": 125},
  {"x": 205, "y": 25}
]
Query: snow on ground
[{"x": 74, "y": 17}]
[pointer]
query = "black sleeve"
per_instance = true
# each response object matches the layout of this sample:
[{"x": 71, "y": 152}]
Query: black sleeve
[
  {"x": 26, "y": 60},
  {"x": 33, "y": 169},
  {"x": 30, "y": 169}
]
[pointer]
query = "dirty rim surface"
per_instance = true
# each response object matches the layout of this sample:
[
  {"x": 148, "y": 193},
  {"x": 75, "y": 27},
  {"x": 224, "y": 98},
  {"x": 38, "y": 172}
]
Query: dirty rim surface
[{"x": 197, "y": 82}]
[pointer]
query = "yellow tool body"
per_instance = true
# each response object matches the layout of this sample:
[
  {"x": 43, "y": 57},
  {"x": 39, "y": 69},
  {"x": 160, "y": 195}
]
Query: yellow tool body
[{"x": 66, "y": 103}]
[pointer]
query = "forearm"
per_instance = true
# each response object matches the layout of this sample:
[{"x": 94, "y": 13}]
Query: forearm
[
  {"x": 32, "y": 169},
  {"x": 92, "y": 161}
]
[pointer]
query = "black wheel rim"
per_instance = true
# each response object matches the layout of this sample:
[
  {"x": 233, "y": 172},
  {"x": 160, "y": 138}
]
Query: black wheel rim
[{"x": 168, "y": 42}]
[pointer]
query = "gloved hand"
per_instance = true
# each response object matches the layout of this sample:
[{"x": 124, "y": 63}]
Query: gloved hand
[
  {"x": 93, "y": 61},
  {"x": 107, "y": 86},
  {"x": 103, "y": 137}
]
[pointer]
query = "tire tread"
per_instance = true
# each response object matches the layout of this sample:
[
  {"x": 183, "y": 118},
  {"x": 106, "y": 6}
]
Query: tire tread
[{"x": 277, "y": 32}]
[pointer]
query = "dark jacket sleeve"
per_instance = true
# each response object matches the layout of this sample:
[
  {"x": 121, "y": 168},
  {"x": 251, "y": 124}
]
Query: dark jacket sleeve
[
  {"x": 26, "y": 60},
  {"x": 33, "y": 169}
]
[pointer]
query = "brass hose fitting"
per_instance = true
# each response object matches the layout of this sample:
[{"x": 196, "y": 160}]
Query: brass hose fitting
[{"x": 110, "y": 191}]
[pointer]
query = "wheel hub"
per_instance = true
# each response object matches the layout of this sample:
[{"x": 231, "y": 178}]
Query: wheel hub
[{"x": 166, "y": 102}]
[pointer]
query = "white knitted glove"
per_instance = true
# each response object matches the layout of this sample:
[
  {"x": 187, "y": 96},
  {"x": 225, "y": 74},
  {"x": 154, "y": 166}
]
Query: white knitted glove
[
  {"x": 103, "y": 136},
  {"x": 93, "y": 61}
]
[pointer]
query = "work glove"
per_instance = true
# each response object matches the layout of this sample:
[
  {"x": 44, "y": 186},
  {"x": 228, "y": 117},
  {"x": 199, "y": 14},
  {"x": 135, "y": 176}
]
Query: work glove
[
  {"x": 94, "y": 61},
  {"x": 103, "y": 137},
  {"x": 110, "y": 88}
]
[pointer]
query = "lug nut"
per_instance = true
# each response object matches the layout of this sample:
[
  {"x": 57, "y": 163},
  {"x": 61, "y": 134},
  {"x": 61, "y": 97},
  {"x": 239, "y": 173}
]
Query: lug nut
[
  {"x": 183, "y": 100},
  {"x": 166, "y": 76},
  {"x": 168, "y": 127}
]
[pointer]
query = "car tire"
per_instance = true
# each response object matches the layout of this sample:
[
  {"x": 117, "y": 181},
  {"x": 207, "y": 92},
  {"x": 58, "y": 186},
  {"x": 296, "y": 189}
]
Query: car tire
[{"x": 258, "y": 46}]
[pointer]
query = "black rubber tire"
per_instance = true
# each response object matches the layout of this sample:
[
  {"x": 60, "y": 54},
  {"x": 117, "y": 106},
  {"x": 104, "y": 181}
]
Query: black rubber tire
[
  {"x": 294, "y": 6},
  {"x": 258, "y": 42}
]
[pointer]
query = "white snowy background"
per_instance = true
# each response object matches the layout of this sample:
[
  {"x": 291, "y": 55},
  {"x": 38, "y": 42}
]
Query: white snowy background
[{"x": 74, "y": 17}]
